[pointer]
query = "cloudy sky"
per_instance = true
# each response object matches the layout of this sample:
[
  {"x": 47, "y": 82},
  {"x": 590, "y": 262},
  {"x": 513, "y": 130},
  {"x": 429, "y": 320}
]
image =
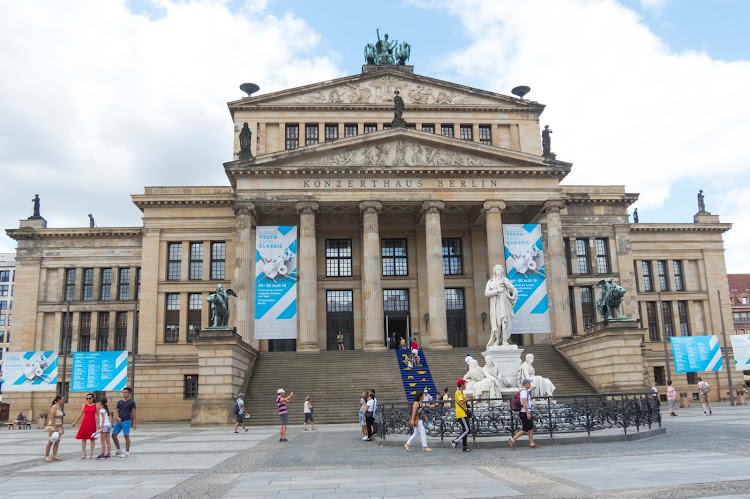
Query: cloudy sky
[{"x": 101, "y": 97}]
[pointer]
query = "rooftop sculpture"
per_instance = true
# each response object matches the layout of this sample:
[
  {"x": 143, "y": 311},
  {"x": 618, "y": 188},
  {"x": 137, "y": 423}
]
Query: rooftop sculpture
[{"x": 386, "y": 52}]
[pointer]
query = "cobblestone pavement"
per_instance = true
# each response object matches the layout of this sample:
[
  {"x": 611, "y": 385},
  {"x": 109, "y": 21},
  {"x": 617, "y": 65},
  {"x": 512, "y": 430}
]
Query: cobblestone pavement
[{"x": 700, "y": 456}]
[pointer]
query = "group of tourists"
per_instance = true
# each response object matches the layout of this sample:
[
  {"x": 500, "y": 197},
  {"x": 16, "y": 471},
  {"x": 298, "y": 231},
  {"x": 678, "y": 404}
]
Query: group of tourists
[
  {"x": 95, "y": 424},
  {"x": 368, "y": 408}
]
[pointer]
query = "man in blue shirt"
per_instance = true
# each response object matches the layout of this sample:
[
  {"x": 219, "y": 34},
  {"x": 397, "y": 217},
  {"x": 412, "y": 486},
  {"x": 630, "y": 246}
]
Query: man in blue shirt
[{"x": 124, "y": 421}]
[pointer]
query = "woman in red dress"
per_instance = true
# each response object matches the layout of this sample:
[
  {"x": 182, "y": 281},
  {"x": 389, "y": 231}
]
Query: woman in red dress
[{"x": 88, "y": 425}]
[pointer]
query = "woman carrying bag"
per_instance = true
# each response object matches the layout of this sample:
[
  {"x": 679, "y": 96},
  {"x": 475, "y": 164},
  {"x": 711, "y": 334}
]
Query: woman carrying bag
[{"x": 417, "y": 421}]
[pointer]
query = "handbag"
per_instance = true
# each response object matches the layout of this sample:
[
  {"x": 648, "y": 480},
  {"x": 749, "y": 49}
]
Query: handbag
[{"x": 413, "y": 420}]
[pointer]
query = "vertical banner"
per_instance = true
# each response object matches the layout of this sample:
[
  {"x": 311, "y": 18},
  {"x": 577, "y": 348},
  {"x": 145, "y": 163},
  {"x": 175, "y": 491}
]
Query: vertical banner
[
  {"x": 741, "y": 351},
  {"x": 276, "y": 282},
  {"x": 30, "y": 371},
  {"x": 99, "y": 371},
  {"x": 524, "y": 267},
  {"x": 696, "y": 353}
]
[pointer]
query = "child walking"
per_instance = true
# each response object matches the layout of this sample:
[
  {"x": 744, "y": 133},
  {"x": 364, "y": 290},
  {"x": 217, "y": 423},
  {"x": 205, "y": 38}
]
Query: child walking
[{"x": 105, "y": 429}]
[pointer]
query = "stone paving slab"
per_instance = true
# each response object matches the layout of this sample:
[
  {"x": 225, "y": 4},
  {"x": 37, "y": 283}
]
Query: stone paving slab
[{"x": 150, "y": 462}]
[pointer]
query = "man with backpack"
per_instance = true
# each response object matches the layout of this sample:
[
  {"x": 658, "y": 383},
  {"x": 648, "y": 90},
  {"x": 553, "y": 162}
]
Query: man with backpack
[
  {"x": 239, "y": 413},
  {"x": 704, "y": 390},
  {"x": 522, "y": 403}
]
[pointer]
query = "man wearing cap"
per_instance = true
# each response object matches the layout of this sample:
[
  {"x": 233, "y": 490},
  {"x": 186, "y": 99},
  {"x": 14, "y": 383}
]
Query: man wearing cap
[
  {"x": 427, "y": 397},
  {"x": 462, "y": 415},
  {"x": 527, "y": 422},
  {"x": 239, "y": 413},
  {"x": 281, "y": 401}
]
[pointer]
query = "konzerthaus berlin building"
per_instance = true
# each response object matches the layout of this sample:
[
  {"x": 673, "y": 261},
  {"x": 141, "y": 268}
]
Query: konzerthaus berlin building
[{"x": 398, "y": 230}]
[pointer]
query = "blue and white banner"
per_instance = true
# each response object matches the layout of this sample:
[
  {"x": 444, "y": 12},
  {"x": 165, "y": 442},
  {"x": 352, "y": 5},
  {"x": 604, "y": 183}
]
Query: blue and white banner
[
  {"x": 30, "y": 371},
  {"x": 696, "y": 353},
  {"x": 99, "y": 371},
  {"x": 276, "y": 282},
  {"x": 524, "y": 267},
  {"x": 741, "y": 351}
]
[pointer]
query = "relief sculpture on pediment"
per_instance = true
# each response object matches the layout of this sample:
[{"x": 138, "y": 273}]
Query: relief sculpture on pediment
[{"x": 400, "y": 153}]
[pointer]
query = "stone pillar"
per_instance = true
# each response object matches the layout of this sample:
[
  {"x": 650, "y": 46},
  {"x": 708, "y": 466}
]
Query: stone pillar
[
  {"x": 372, "y": 291},
  {"x": 557, "y": 275},
  {"x": 437, "y": 326},
  {"x": 244, "y": 269},
  {"x": 308, "y": 279},
  {"x": 493, "y": 212}
]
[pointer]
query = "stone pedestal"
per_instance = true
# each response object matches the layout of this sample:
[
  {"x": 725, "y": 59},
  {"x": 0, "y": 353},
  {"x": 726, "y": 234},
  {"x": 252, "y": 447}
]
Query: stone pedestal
[
  {"x": 224, "y": 364},
  {"x": 508, "y": 360}
]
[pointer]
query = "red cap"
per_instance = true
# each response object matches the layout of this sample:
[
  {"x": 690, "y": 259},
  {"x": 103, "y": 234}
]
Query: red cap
[{"x": 460, "y": 382}]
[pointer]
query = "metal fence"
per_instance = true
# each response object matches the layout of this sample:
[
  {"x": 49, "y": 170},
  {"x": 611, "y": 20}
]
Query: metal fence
[{"x": 493, "y": 417}]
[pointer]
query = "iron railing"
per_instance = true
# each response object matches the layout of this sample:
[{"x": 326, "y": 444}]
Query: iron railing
[{"x": 493, "y": 417}]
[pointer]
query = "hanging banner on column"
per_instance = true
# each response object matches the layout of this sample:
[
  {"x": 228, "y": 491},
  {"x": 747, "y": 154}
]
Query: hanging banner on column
[
  {"x": 276, "y": 282},
  {"x": 99, "y": 371},
  {"x": 524, "y": 267},
  {"x": 741, "y": 351},
  {"x": 696, "y": 353},
  {"x": 30, "y": 371}
]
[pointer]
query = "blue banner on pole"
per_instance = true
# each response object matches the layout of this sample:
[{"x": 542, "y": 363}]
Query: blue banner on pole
[
  {"x": 696, "y": 353},
  {"x": 276, "y": 282},
  {"x": 99, "y": 371}
]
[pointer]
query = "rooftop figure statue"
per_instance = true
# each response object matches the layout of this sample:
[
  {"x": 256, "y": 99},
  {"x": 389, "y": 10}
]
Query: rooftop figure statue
[
  {"x": 36, "y": 206},
  {"x": 546, "y": 141},
  {"x": 246, "y": 139},
  {"x": 91, "y": 221},
  {"x": 398, "y": 106},
  {"x": 701, "y": 202},
  {"x": 386, "y": 52},
  {"x": 635, "y": 216}
]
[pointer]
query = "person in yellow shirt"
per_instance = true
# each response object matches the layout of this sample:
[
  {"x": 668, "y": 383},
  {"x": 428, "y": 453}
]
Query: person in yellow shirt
[{"x": 460, "y": 400}]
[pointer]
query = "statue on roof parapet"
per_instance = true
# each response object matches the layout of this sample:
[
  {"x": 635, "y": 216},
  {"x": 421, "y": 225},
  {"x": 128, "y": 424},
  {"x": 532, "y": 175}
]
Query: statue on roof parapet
[
  {"x": 546, "y": 142},
  {"x": 36, "y": 201},
  {"x": 701, "y": 202},
  {"x": 246, "y": 139},
  {"x": 386, "y": 52}
]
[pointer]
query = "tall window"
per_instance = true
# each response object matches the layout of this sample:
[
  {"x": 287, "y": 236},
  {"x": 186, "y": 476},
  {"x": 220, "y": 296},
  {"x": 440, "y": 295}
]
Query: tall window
[
  {"x": 292, "y": 137},
  {"x": 446, "y": 130},
  {"x": 2, "y": 319},
  {"x": 691, "y": 379},
  {"x": 121, "y": 331},
  {"x": 4, "y": 275},
  {"x": 394, "y": 257},
  {"x": 582, "y": 255},
  {"x": 429, "y": 128},
  {"x": 682, "y": 312},
  {"x": 124, "y": 285},
  {"x": 350, "y": 130},
  {"x": 3, "y": 290},
  {"x": 453, "y": 260},
  {"x": 88, "y": 284},
  {"x": 332, "y": 132},
  {"x": 661, "y": 266},
  {"x": 679, "y": 283},
  {"x": 653, "y": 322},
  {"x": 648, "y": 284},
  {"x": 396, "y": 300},
  {"x": 218, "y": 257},
  {"x": 195, "y": 304},
  {"x": 666, "y": 307},
  {"x": 137, "y": 284},
  {"x": 572, "y": 301},
  {"x": 191, "y": 387},
  {"x": 485, "y": 134},
  {"x": 174, "y": 261},
  {"x": 84, "y": 344},
  {"x": 311, "y": 134},
  {"x": 172, "y": 318},
  {"x": 659, "y": 375},
  {"x": 70, "y": 284},
  {"x": 338, "y": 257},
  {"x": 67, "y": 332},
  {"x": 587, "y": 306},
  {"x": 105, "y": 290},
  {"x": 466, "y": 132},
  {"x": 102, "y": 335},
  {"x": 371, "y": 127},
  {"x": 602, "y": 255},
  {"x": 566, "y": 242},
  {"x": 196, "y": 261}
]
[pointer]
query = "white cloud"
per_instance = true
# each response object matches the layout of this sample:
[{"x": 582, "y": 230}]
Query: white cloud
[
  {"x": 625, "y": 109},
  {"x": 96, "y": 101},
  {"x": 654, "y": 5}
]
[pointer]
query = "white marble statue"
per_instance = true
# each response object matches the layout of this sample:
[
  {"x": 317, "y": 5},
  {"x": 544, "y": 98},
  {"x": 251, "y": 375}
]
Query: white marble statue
[
  {"x": 503, "y": 296},
  {"x": 483, "y": 382},
  {"x": 492, "y": 375},
  {"x": 540, "y": 386}
]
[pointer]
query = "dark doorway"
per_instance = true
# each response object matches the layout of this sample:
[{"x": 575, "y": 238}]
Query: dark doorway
[
  {"x": 396, "y": 314},
  {"x": 282, "y": 345},
  {"x": 339, "y": 317},
  {"x": 517, "y": 339},
  {"x": 455, "y": 314}
]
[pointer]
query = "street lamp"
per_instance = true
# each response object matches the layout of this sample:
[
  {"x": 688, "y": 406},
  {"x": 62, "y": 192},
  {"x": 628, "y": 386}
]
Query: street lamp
[
  {"x": 427, "y": 321},
  {"x": 484, "y": 318}
]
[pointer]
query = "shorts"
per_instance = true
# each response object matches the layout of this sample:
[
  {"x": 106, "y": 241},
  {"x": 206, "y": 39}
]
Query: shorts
[
  {"x": 308, "y": 417},
  {"x": 361, "y": 419},
  {"x": 283, "y": 418},
  {"x": 526, "y": 423},
  {"x": 107, "y": 428},
  {"x": 124, "y": 426},
  {"x": 240, "y": 418}
]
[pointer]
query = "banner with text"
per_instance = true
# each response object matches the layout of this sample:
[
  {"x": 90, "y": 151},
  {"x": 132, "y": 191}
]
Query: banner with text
[
  {"x": 30, "y": 371},
  {"x": 741, "y": 351},
  {"x": 696, "y": 353},
  {"x": 99, "y": 371},
  {"x": 276, "y": 282},
  {"x": 524, "y": 267}
]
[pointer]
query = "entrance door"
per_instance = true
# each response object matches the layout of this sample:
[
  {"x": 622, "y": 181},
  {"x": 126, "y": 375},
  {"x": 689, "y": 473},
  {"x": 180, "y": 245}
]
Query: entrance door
[
  {"x": 396, "y": 314},
  {"x": 455, "y": 314},
  {"x": 339, "y": 317},
  {"x": 282, "y": 345}
]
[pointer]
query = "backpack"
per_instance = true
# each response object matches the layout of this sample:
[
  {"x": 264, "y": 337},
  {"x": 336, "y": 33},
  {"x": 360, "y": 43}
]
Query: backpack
[
  {"x": 236, "y": 408},
  {"x": 704, "y": 388},
  {"x": 515, "y": 403}
]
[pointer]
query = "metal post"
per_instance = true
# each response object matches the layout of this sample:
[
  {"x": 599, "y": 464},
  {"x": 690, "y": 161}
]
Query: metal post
[
  {"x": 134, "y": 346},
  {"x": 726, "y": 351},
  {"x": 64, "y": 392},
  {"x": 664, "y": 339}
]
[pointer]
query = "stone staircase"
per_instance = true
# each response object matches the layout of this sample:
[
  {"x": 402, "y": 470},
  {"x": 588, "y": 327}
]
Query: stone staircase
[{"x": 414, "y": 378}]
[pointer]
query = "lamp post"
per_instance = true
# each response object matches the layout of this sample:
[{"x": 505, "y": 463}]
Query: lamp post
[
  {"x": 134, "y": 346},
  {"x": 726, "y": 350},
  {"x": 664, "y": 339},
  {"x": 427, "y": 321},
  {"x": 484, "y": 319}
]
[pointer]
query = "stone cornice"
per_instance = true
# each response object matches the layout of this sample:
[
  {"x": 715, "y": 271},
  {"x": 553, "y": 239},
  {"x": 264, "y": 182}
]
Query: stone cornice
[
  {"x": 187, "y": 201},
  {"x": 87, "y": 232},
  {"x": 624, "y": 199},
  {"x": 677, "y": 227}
]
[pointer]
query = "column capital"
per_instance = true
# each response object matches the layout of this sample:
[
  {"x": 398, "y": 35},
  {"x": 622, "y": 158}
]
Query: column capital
[
  {"x": 494, "y": 205},
  {"x": 370, "y": 207},
  {"x": 243, "y": 208},
  {"x": 553, "y": 206},
  {"x": 433, "y": 206},
  {"x": 307, "y": 207}
]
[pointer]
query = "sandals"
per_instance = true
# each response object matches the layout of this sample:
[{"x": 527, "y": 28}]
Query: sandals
[
  {"x": 534, "y": 446},
  {"x": 55, "y": 458},
  {"x": 426, "y": 449},
  {"x": 47, "y": 459},
  {"x": 407, "y": 448},
  {"x": 512, "y": 443}
]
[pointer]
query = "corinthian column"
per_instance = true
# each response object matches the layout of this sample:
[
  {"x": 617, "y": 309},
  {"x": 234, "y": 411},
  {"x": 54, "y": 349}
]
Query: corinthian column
[
  {"x": 372, "y": 291},
  {"x": 435, "y": 283},
  {"x": 493, "y": 212},
  {"x": 307, "y": 279},
  {"x": 557, "y": 275},
  {"x": 244, "y": 269}
]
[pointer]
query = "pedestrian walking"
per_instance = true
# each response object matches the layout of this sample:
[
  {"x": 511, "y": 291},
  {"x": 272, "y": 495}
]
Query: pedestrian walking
[
  {"x": 392, "y": 342},
  {"x": 362, "y": 410},
  {"x": 370, "y": 408},
  {"x": 414, "y": 346},
  {"x": 462, "y": 415},
  {"x": 281, "y": 404},
  {"x": 468, "y": 359},
  {"x": 239, "y": 413},
  {"x": 671, "y": 397},
  {"x": 417, "y": 421},
  {"x": 54, "y": 428},
  {"x": 527, "y": 421},
  {"x": 446, "y": 398},
  {"x": 340, "y": 340},
  {"x": 88, "y": 426},
  {"x": 308, "y": 409},
  {"x": 124, "y": 421},
  {"x": 402, "y": 343},
  {"x": 105, "y": 429},
  {"x": 704, "y": 390}
]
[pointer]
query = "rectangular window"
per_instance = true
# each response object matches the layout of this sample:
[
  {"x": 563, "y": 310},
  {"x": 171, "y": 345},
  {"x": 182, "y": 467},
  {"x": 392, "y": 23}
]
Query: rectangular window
[
  {"x": 191, "y": 387},
  {"x": 395, "y": 300},
  {"x": 666, "y": 307},
  {"x": 218, "y": 257},
  {"x": 648, "y": 284},
  {"x": 466, "y": 132},
  {"x": 411, "y": 126},
  {"x": 2, "y": 319},
  {"x": 429, "y": 128},
  {"x": 4, "y": 275},
  {"x": 195, "y": 305},
  {"x": 70, "y": 284},
  {"x": 659, "y": 375},
  {"x": 174, "y": 261},
  {"x": 453, "y": 260},
  {"x": 454, "y": 299},
  {"x": 485, "y": 134},
  {"x": 3, "y": 290},
  {"x": 105, "y": 291},
  {"x": 311, "y": 134},
  {"x": 172, "y": 318},
  {"x": 137, "y": 283},
  {"x": 682, "y": 312},
  {"x": 124, "y": 285},
  {"x": 602, "y": 255},
  {"x": 371, "y": 127},
  {"x": 332, "y": 132},
  {"x": 582, "y": 255},
  {"x": 387, "y": 126},
  {"x": 653, "y": 322},
  {"x": 394, "y": 257},
  {"x": 661, "y": 266},
  {"x": 339, "y": 301},
  {"x": 196, "y": 261},
  {"x": 572, "y": 301},
  {"x": 88, "y": 284},
  {"x": 736, "y": 316},
  {"x": 691, "y": 379},
  {"x": 102, "y": 335},
  {"x": 350, "y": 130},
  {"x": 566, "y": 242},
  {"x": 446, "y": 130},
  {"x": 121, "y": 331},
  {"x": 338, "y": 257},
  {"x": 84, "y": 344},
  {"x": 587, "y": 306},
  {"x": 67, "y": 332},
  {"x": 3, "y": 305},
  {"x": 679, "y": 282},
  {"x": 292, "y": 137}
]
